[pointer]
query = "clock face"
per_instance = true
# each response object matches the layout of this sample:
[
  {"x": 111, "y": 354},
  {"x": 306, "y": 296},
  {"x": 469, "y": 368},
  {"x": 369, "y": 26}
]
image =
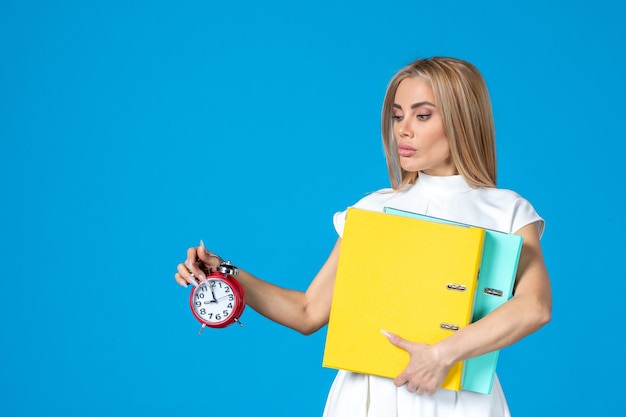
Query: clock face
[{"x": 214, "y": 301}]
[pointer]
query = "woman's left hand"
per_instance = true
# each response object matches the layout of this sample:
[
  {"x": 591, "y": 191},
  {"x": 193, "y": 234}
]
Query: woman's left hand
[{"x": 426, "y": 370}]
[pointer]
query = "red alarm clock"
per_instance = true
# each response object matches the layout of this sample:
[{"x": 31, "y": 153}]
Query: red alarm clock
[{"x": 220, "y": 300}]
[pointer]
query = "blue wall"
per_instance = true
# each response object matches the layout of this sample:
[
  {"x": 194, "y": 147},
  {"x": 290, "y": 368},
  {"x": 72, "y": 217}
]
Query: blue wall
[{"x": 131, "y": 130}]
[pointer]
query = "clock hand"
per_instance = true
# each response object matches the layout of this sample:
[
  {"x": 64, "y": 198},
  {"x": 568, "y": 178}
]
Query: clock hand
[
  {"x": 221, "y": 298},
  {"x": 212, "y": 293}
]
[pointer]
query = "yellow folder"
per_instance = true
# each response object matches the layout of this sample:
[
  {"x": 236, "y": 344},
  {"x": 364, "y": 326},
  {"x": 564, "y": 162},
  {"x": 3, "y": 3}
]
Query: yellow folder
[{"x": 412, "y": 277}]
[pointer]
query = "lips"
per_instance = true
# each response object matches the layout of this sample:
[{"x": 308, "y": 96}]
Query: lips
[{"x": 405, "y": 149}]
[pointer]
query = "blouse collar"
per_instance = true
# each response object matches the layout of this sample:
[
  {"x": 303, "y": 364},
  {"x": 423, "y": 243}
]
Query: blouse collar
[{"x": 451, "y": 184}]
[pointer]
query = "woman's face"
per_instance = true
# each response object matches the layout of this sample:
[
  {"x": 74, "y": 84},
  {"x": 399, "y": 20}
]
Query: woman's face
[{"x": 418, "y": 129}]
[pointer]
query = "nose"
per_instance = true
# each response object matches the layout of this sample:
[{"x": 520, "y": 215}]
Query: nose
[{"x": 404, "y": 128}]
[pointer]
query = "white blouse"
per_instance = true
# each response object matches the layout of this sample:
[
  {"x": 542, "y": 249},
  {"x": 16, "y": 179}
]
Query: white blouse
[{"x": 450, "y": 198}]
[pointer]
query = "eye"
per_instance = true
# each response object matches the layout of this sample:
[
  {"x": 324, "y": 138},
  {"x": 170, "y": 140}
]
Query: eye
[
  {"x": 396, "y": 118},
  {"x": 423, "y": 116}
]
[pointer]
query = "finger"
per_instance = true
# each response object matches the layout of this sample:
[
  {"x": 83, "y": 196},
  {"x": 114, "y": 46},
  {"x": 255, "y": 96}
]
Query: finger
[
  {"x": 196, "y": 269},
  {"x": 194, "y": 265},
  {"x": 192, "y": 255},
  {"x": 186, "y": 275},
  {"x": 396, "y": 340},
  {"x": 426, "y": 389},
  {"x": 209, "y": 258},
  {"x": 400, "y": 380},
  {"x": 180, "y": 280}
]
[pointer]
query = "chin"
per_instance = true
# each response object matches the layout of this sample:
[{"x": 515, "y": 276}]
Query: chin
[{"x": 410, "y": 167}]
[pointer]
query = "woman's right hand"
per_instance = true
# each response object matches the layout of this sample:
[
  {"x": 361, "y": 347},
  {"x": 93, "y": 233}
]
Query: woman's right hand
[{"x": 199, "y": 262}]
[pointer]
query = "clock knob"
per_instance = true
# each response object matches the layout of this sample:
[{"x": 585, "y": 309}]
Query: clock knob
[{"x": 228, "y": 269}]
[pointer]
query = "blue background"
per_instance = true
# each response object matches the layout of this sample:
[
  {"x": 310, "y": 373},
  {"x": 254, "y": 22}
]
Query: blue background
[{"x": 131, "y": 130}]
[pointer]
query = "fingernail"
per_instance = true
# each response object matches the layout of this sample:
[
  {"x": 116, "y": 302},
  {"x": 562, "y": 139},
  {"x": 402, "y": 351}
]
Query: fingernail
[
  {"x": 189, "y": 263},
  {"x": 203, "y": 248},
  {"x": 386, "y": 333}
]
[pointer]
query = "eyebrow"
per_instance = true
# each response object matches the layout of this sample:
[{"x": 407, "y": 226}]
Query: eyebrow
[{"x": 415, "y": 105}]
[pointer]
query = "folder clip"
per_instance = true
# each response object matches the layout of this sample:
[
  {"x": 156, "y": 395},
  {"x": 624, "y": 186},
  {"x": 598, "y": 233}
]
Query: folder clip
[
  {"x": 447, "y": 326},
  {"x": 456, "y": 287},
  {"x": 493, "y": 291}
]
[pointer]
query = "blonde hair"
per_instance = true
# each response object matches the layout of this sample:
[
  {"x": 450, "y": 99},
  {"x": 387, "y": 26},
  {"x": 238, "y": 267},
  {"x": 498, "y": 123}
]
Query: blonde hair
[{"x": 462, "y": 98}]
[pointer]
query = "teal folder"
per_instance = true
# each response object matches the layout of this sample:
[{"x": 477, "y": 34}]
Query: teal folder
[{"x": 495, "y": 286}]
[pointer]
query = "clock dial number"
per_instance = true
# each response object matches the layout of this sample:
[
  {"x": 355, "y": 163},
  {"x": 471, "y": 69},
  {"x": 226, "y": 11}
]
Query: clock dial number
[
  {"x": 206, "y": 304},
  {"x": 218, "y": 302}
]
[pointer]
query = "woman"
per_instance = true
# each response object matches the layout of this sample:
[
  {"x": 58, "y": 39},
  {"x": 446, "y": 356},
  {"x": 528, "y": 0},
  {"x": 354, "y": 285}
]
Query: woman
[{"x": 439, "y": 142}]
